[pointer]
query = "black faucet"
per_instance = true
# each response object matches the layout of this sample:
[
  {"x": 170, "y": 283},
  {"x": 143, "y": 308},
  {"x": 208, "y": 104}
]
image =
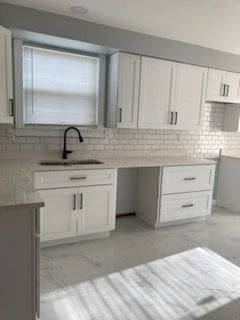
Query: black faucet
[{"x": 65, "y": 151}]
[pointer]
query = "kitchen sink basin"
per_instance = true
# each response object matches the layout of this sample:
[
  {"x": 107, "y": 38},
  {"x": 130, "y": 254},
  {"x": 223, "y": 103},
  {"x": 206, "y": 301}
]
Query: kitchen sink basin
[{"x": 69, "y": 162}]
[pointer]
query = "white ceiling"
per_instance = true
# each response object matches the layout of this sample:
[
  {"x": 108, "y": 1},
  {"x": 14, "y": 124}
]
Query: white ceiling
[{"x": 210, "y": 23}]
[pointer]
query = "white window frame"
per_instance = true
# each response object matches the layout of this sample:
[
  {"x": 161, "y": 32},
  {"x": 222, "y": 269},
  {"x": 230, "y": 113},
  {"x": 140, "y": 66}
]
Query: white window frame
[{"x": 18, "y": 88}]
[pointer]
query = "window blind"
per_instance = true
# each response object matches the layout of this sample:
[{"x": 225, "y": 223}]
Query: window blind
[{"x": 59, "y": 87}]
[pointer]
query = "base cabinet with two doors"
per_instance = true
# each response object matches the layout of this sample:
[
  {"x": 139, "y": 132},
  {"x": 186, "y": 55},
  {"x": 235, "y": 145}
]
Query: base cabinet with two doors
[{"x": 77, "y": 202}]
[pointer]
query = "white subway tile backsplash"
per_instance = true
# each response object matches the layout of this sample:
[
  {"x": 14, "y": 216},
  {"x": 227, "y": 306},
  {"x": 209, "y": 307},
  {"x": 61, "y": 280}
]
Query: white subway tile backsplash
[{"x": 206, "y": 141}]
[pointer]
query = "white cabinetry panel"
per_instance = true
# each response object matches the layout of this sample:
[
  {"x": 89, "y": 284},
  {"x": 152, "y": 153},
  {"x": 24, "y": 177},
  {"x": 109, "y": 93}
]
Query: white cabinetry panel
[
  {"x": 185, "y": 205},
  {"x": 58, "y": 217},
  {"x": 187, "y": 179},
  {"x": 157, "y": 78},
  {"x": 96, "y": 209},
  {"x": 215, "y": 85},
  {"x": 123, "y": 90},
  {"x": 79, "y": 206},
  {"x": 73, "y": 178},
  {"x": 190, "y": 95},
  {"x": 6, "y": 87},
  {"x": 174, "y": 193},
  {"x": 233, "y": 90},
  {"x": 223, "y": 86}
]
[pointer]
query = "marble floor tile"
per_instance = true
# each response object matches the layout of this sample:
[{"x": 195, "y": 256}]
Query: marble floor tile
[{"x": 68, "y": 269}]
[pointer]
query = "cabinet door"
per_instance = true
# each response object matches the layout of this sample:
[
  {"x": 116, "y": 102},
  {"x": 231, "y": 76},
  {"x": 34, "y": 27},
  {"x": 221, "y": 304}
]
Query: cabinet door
[
  {"x": 157, "y": 78},
  {"x": 59, "y": 216},
  {"x": 233, "y": 82},
  {"x": 128, "y": 90},
  {"x": 215, "y": 85},
  {"x": 190, "y": 95},
  {"x": 97, "y": 209},
  {"x": 6, "y": 90}
]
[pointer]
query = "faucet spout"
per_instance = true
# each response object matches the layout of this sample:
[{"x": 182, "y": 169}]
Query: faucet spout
[{"x": 65, "y": 151}]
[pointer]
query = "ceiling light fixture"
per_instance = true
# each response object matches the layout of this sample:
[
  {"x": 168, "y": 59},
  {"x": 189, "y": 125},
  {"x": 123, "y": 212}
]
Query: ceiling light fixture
[{"x": 79, "y": 10}]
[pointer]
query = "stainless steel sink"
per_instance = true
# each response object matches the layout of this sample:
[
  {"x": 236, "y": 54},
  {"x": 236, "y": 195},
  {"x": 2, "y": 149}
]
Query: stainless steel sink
[{"x": 68, "y": 162}]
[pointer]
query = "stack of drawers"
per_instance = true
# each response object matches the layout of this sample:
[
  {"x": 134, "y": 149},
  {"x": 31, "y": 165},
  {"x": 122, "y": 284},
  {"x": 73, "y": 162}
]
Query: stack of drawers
[{"x": 186, "y": 192}]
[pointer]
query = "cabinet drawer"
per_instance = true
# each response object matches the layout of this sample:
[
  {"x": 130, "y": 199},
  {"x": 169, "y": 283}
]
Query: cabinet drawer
[
  {"x": 73, "y": 178},
  {"x": 185, "y": 205},
  {"x": 187, "y": 179}
]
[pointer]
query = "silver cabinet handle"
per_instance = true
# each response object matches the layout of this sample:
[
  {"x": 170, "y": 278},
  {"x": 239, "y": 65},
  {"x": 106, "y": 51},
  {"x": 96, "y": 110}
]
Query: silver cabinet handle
[
  {"x": 187, "y": 205},
  {"x": 176, "y": 117},
  {"x": 10, "y": 102},
  {"x": 171, "y": 118},
  {"x": 227, "y": 91},
  {"x": 74, "y": 201},
  {"x": 81, "y": 201},
  {"x": 189, "y": 178},
  {"x": 78, "y": 178},
  {"x": 120, "y": 115},
  {"x": 222, "y": 91}
]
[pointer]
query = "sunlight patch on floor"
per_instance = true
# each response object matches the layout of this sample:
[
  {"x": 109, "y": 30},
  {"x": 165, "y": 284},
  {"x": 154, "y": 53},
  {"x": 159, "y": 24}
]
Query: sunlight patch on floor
[{"x": 186, "y": 285}]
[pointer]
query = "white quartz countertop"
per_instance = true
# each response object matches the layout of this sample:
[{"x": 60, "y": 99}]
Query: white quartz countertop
[
  {"x": 126, "y": 162},
  {"x": 16, "y": 190},
  {"x": 16, "y": 187},
  {"x": 231, "y": 153}
]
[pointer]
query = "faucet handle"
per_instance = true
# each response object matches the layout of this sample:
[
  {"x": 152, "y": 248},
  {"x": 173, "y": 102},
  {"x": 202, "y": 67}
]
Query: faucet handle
[{"x": 66, "y": 152}]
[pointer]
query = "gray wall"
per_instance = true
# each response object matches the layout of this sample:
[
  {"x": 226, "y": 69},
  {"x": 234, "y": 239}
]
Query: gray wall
[{"x": 52, "y": 24}]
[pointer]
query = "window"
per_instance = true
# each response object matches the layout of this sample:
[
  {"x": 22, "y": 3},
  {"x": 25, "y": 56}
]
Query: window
[{"x": 59, "y": 87}]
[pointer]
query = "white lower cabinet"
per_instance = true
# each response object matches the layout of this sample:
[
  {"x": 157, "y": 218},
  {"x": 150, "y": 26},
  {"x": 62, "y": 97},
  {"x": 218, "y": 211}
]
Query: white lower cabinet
[
  {"x": 96, "y": 209},
  {"x": 80, "y": 210},
  {"x": 168, "y": 194},
  {"x": 58, "y": 217},
  {"x": 185, "y": 205}
]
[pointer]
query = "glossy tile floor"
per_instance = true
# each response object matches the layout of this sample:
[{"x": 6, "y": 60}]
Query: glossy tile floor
[{"x": 134, "y": 243}]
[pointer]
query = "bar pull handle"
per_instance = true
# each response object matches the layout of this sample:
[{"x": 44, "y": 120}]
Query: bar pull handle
[
  {"x": 222, "y": 91},
  {"x": 189, "y": 178},
  {"x": 74, "y": 201},
  {"x": 188, "y": 205},
  {"x": 81, "y": 201},
  {"x": 78, "y": 178},
  {"x": 176, "y": 117},
  {"x": 120, "y": 115},
  {"x": 171, "y": 118},
  {"x": 227, "y": 91},
  {"x": 10, "y": 103}
]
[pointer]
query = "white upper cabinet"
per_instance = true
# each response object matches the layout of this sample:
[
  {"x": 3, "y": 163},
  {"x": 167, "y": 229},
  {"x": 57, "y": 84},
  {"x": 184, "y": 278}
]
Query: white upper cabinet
[
  {"x": 123, "y": 90},
  {"x": 156, "y": 96},
  {"x": 6, "y": 86},
  {"x": 223, "y": 86},
  {"x": 233, "y": 86},
  {"x": 151, "y": 93},
  {"x": 215, "y": 85},
  {"x": 172, "y": 95},
  {"x": 189, "y": 97}
]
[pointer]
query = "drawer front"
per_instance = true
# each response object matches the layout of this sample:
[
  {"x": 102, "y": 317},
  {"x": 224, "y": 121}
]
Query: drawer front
[
  {"x": 185, "y": 205},
  {"x": 187, "y": 179},
  {"x": 74, "y": 178}
]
